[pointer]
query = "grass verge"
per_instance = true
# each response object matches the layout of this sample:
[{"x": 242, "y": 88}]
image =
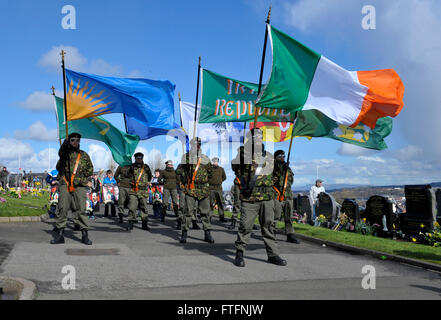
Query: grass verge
[{"x": 26, "y": 206}]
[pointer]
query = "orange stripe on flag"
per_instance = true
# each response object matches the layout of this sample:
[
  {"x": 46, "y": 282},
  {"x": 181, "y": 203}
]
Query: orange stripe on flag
[{"x": 384, "y": 97}]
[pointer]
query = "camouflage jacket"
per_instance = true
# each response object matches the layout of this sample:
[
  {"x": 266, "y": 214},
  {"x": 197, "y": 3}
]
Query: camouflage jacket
[
  {"x": 279, "y": 176},
  {"x": 264, "y": 180},
  {"x": 170, "y": 178},
  {"x": 4, "y": 175},
  {"x": 218, "y": 176},
  {"x": 84, "y": 170},
  {"x": 123, "y": 176},
  {"x": 144, "y": 180},
  {"x": 186, "y": 171}
]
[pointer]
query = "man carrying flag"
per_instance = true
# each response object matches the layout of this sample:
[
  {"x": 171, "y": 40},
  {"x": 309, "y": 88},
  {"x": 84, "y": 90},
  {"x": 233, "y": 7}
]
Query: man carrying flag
[
  {"x": 283, "y": 203},
  {"x": 74, "y": 169}
]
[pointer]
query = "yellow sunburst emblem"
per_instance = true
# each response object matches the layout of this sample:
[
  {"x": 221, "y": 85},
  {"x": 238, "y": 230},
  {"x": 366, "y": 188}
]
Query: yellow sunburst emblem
[{"x": 82, "y": 104}]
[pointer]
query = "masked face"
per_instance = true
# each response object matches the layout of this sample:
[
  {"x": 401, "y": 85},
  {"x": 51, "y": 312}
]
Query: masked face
[
  {"x": 139, "y": 160},
  {"x": 74, "y": 142}
]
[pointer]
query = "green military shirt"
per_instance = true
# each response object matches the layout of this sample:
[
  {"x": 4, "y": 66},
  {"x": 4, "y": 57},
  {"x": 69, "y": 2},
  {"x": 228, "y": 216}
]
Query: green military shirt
[
  {"x": 144, "y": 179},
  {"x": 186, "y": 170},
  {"x": 123, "y": 176},
  {"x": 218, "y": 176},
  {"x": 264, "y": 179},
  {"x": 279, "y": 175},
  {"x": 84, "y": 170},
  {"x": 170, "y": 178}
]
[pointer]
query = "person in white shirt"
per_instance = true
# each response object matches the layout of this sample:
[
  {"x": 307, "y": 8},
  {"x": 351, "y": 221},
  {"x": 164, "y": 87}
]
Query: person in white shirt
[{"x": 315, "y": 191}]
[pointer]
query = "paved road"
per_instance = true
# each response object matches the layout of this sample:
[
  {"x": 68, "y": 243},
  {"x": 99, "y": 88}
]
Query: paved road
[{"x": 154, "y": 265}]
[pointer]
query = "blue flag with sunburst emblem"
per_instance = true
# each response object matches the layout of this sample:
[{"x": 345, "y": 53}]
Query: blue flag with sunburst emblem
[{"x": 148, "y": 101}]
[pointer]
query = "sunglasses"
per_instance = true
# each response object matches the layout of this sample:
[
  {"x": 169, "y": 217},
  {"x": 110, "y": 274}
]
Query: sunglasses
[{"x": 74, "y": 139}]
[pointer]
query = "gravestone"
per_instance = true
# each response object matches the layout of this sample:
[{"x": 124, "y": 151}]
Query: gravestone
[
  {"x": 420, "y": 208},
  {"x": 438, "y": 205},
  {"x": 304, "y": 206},
  {"x": 379, "y": 210},
  {"x": 327, "y": 206},
  {"x": 351, "y": 209}
]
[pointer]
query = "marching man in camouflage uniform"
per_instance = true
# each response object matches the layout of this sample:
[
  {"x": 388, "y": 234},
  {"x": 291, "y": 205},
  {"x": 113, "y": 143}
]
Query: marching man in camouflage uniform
[
  {"x": 124, "y": 179},
  {"x": 170, "y": 179},
  {"x": 141, "y": 175},
  {"x": 257, "y": 198},
  {"x": 236, "y": 167},
  {"x": 216, "y": 192},
  {"x": 196, "y": 169},
  {"x": 74, "y": 170},
  {"x": 283, "y": 202}
]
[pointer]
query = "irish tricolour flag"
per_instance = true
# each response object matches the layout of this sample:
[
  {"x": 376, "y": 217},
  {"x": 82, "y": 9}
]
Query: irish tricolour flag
[{"x": 302, "y": 79}]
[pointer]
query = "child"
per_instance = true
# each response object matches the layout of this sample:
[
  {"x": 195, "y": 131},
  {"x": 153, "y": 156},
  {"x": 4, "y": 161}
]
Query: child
[
  {"x": 156, "y": 189},
  {"x": 110, "y": 193}
]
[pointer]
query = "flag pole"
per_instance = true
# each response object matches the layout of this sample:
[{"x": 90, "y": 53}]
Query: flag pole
[
  {"x": 197, "y": 96},
  {"x": 65, "y": 108},
  {"x": 56, "y": 114},
  {"x": 285, "y": 181},
  {"x": 180, "y": 118}
]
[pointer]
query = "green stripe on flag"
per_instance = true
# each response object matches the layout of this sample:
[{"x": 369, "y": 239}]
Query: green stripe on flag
[{"x": 293, "y": 69}]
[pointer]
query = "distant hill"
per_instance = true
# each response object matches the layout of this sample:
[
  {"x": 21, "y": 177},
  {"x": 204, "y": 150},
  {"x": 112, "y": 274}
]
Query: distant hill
[{"x": 336, "y": 187}]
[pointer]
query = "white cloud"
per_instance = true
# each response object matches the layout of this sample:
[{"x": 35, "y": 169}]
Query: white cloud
[
  {"x": 37, "y": 131},
  {"x": 101, "y": 157},
  {"x": 74, "y": 60},
  {"x": 11, "y": 149},
  {"x": 40, "y": 101},
  {"x": 371, "y": 159}
]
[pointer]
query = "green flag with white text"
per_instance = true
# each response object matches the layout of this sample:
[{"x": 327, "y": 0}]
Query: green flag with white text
[{"x": 121, "y": 144}]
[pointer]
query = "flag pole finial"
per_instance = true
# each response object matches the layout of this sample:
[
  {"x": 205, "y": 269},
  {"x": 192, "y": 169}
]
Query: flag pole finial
[
  {"x": 53, "y": 90},
  {"x": 62, "y": 53},
  {"x": 269, "y": 15},
  {"x": 179, "y": 96}
]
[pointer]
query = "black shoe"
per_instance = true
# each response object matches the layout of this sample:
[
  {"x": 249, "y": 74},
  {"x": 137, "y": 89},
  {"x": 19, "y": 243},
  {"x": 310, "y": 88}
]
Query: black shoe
[
  {"x": 208, "y": 238},
  {"x": 183, "y": 237},
  {"x": 130, "y": 226},
  {"x": 85, "y": 238},
  {"x": 76, "y": 227},
  {"x": 195, "y": 226},
  {"x": 120, "y": 219},
  {"x": 277, "y": 261},
  {"x": 162, "y": 217},
  {"x": 178, "y": 225},
  {"x": 239, "y": 259},
  {"x": 232, "y": 226},
  {"x": 291, "y": 238},
  {"x": 145, "y": 226},
  {"x": 58, "y": 237},
  {"x": 222, "y": 219},
  {"x": 55, "y": 229}
]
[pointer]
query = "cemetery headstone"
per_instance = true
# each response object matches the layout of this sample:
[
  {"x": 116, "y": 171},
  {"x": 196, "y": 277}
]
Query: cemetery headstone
[
  {"x": 328, "y": 207},
  {"x": 438, "y": 205},
  {"x": 304, "y": 206},
  {"x": 379, "y": 210},
  {"x": 420, "y": 208},
  {"x": 351, "y": 209}
]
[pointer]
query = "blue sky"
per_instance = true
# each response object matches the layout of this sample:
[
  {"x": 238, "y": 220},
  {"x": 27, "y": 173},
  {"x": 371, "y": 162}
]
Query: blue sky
[{"x": 163, "y": 39}]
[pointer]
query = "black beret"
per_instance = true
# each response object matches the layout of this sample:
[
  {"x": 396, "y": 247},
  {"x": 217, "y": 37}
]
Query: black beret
[
  {"x": 74, "y": 135},
  {"x": 138, "y": 154},
  {"x": 279, "y": 153}
]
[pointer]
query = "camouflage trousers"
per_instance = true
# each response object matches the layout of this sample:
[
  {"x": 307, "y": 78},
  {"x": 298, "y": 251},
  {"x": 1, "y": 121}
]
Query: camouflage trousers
[
  {"x": 173, "y": 193},
  {"x": 216, "y": 196},
  {"x": 249, "y": 212},
  {"x": 285, "y": 207},
  {"x": 138, "y": 199},
  {"x": 122, "y": 198},
  {"x": 75, "y": 201},
  {"x": 192, "y": 205},
  {"x": 236, "y": 202}
]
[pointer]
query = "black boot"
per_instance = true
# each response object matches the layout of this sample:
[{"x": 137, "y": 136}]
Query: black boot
[
  {"x": 222, "y": 219},
  {"x": 291, "y": 238},
  {"x": 162, "y": 216},
  {"x": 76, "y": 227},
  {"x": 208, "y": 238},
  {"x": 232, "y": 226},
  {"x": 239, "y": 259},
  {"x": 178, "y": 224},
  {"x": 277, "y": 261},
  {"x": 58, "y": 237},
  {"x": 55, "y": 229},
  {"x": 145, "y": 226},
  {"x": 120, "y": 220},
  {"x": 183, "y": 237},
  {"x": 85, "y": 238},
  {"x": 176, "y": 210},
  {"x": 195, "y": 225},
  {"x": 130, "y": 226}
]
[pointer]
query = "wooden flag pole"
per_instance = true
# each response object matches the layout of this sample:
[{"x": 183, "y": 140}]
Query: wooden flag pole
[
  {"x": 56, "y": 113},
  {"x": 180, "y": 117},
  {"x": 65, "y": 95}
]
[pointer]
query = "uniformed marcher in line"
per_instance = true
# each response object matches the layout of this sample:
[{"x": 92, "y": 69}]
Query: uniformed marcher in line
[
  {"x": 196, "y": 169},
  {"x": 74, "y": 170},
  {"x": 138, "y": 193},
  {"x": 170, "y": 179},
  {"x": 216, "y": 192},
  {"x": 182, "y": 205},
  {"x": 124, "y": 179},
  {"x": 283, "y": 202},
  {"x": 236, "y": 167},
  {"x": 257, "y": 198}
]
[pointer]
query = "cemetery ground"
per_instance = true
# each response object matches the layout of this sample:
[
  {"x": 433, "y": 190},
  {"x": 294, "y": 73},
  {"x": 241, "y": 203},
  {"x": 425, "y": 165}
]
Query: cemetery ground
[{"x": 28, "y": 205}]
